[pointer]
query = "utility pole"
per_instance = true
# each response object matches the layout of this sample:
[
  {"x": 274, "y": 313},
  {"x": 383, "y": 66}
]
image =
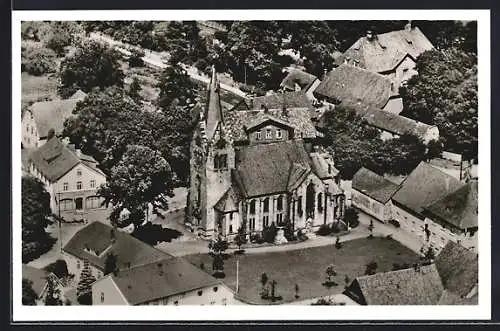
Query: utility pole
[
  {"x": 237, "y": 275},
  {"x": 60, "y": 228}
]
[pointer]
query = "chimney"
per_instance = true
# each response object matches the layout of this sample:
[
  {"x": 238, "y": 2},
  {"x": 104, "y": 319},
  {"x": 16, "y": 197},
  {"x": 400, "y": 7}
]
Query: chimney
[
  {"x": 369, "y": 35},
  {"x": 408, "y": 26}
]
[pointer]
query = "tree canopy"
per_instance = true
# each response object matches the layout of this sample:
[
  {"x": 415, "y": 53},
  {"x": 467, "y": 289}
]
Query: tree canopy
[{"x": 29, "y": 295}]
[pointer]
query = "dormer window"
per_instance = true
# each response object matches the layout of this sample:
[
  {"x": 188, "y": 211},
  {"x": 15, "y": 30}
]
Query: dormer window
[
  {"x": 79, "y": 172},
  {"x": 268, "y": 134},
  {"x": 259, "y": 135},
  {"x": 279, "y": 134},
  {"x": 220, "y": 161}
]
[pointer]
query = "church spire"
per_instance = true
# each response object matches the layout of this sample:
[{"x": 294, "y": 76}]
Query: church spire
[{"x": 214, "y": 109}]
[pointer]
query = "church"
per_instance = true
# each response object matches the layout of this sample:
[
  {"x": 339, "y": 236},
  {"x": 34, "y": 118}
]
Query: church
[{"x": 252, "y": 168}]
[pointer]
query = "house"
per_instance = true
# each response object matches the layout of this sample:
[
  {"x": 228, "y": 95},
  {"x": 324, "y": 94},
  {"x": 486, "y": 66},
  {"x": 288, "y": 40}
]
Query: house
[
  {"x": 372, "y": 194},
  {"x": 348, "y": 84},
  {"x": 94, "y": 242},
  {"x": 391, "y": 54},
  {"x": 420, "y": 285},
  {"x": 423, "y": 186},
  {"x": 164, "y": 282},
  {"x": 454, "y": 217},
  {"x": 458, "y": 269},
  {"x": 256, "y": 167},
  {"x": 71, "y": 177},
  {"x": 42, "y": 116},
  {"x": 40, "y": 281},
  {"x": 298, "y": 80}
]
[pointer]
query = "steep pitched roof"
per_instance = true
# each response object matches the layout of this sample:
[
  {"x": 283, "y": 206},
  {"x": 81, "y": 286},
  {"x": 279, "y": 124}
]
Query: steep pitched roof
[
  {"x": 37, "y": 276},
  {"x": 374, "y": 185},
  {"x": 425, "y": 185},
  {"x": 295, "y": 99},
  {"x": 229, "y": 200},
  {"x": 161, "y": 279},
  {"x": 52, "y": 114},
  {"x": 385, "y": 51},
  {"x": 320, "y": 166},
  {"x": 265, "y": 168},
  {"x": 458, "y": 268},
  {"x": 349, "y": 84},
  {"x": 80, "y": 95},
  {"x": 97, "y": 237},
  {"x": 298, "y": 118},
  {"x": 402, "y": 287},
  {"x": 458, "y": 208},
  {"x": 214, "y": 109},
  {"x": 299, "y": 77},
  {"x": 388, "y": 121}
]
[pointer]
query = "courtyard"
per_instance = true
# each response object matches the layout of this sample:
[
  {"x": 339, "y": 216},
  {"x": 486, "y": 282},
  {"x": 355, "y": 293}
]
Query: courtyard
[{"x": 306, "y": 267}]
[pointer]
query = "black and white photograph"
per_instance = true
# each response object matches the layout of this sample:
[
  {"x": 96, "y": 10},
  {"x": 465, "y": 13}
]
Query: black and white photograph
[{"x": 282, "y": 163}]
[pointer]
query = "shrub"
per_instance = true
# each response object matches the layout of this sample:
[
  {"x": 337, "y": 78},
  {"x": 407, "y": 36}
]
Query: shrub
[
  {"x": 338, "y": 245},
  {"x": 351, "y": 217},
  {"x": 395, "y": 223},
  {"x": 38, "y": 61},
  {"x": 371, "y": 268},
  {"x": 324, "y": 230},
  {"x": 269, "y": 233},
  {"x": 58, "y": 268},
  {"x": 135, "y": 59}
]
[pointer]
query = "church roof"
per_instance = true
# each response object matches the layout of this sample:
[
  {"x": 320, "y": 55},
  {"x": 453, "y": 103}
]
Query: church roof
[
  {"x": 229, "y": 201},
  {"x": 214, "y": 107}
]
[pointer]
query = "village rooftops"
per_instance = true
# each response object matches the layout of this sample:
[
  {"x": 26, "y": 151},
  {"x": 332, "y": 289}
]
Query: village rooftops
[
  {"x": 374, "y": 185},
  {"x": 423, "y": 186},
  {"x": 52, "y": 114},
  {"x": 299, "y": 77},
  {"x": 54, "y": 159},
  {"x": 161, "y": 279},
  {"x": 458, "y": 268},
  {"x": 96, "y": 240},
  {"x": 348, "y": 84},
  {"x": 383, "y": 52},
  {"x": 458, "y": 208}
]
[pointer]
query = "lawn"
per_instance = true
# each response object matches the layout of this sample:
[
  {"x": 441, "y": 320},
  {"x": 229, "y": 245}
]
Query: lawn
[
  {"x": 307, "y": 267},
  {"x": 38, "y": 88}
]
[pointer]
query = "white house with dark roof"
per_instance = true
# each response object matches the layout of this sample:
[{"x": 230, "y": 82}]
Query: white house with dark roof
[
  {"x": 372, "y": 194},
  {"x": 256, "y": 167},
  {"x": 298, "y": 80},
  {"x": 71, "y": 177},
  {"x": 164, "y": 282},
  {"x": 42, "y": 116}
]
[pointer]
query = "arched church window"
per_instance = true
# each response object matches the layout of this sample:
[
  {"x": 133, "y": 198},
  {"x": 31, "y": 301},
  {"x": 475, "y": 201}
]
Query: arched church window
[
  {"x": 320, "y": 202},
  {"x": 266, "y": 205},
  {"x": 279, "y": 203},
  {"x": 252, "y": 206}
]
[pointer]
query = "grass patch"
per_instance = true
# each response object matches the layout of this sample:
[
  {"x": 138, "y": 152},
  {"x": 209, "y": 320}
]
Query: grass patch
[
  {"x": 38, "y": 88},
  {"x": 306, "y": 267}
]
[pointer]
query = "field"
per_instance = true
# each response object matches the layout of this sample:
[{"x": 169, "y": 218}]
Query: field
[
  {"x": 38, "y": 88},
  {"x": 306, "y": 267}
]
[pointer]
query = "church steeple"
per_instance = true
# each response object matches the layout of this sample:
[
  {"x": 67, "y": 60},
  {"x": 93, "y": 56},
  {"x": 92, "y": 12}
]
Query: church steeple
[{"x": 214, "y": 110}]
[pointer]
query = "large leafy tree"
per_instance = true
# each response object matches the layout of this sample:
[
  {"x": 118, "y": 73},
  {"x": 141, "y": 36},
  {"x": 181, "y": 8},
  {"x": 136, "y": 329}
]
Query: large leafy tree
[
  {"x": 141, "y": 177},
  {"x": 53, "y": 296},
  {"x": 444, "y": 93},
  {"x": 174, "y": 83},
  {"x": 37, "y": 60},
  {"x": 35, "y": 218},
  {"x": 92, "y": 65},
  {"x": 184, "y": 42},
  {"x": 84, "y": 287},
  {"x": 29, "y": 295},
  {"x": 450, "y": 34}
]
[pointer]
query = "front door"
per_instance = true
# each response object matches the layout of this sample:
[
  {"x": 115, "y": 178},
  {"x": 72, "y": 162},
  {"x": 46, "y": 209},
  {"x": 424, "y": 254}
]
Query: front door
[{"x": 79, "y": 203}]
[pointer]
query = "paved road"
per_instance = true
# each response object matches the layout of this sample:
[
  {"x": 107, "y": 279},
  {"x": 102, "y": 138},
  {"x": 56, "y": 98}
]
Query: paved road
[{"x": 155, "y": 59}]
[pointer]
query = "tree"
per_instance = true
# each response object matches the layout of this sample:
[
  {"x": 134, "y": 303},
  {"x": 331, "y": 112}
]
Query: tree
[
  {"x": 217, "y": 248},
  {"x": 37, "y": 61},
  {"x": 141, "y": 177},
  {"x": 450, "y": 34},
  {"x": 241, "y": 237},
  {"x": 60, "y": 36},
  {"x": 29, "y": 295},
  {"x": 296, "y": 291},
  {"x": 58, "y": 268},
  {"x": 429, "y": 255},
  {"x": 175, "y": 84},
  {"x": 110, "y": 264},
  {"x": 371, "y": 227},
  {"x": 263, "y": 281},
  {"x": 134, "y": 89},
  {"x": 52, "y": 297},
  {"x": 346, "y": 280},
  {"x": 184, "y": 42},
  {"x": 135, "y": 59},
  {"x": 84, "y": 288},
  {"x": 351, "y": 217},
  {"x": 330, "y": 273},
  {"x": 35, "y": 218},
  {"x": 371, "y": 268},
  {"x": 338, "y": 245},
  {"x": 92, "y": 65}
]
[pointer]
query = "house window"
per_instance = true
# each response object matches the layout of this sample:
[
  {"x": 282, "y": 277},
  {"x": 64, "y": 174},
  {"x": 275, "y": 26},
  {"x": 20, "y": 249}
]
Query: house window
[
  {"x": 279, "y": 219},
  {"x": 65, "y": 186},
  {"x": 252, "y": 207},
  {"x": 265, "y": 221},
  {"x": 259, "y": 135},
  {"x": 266, "y": 205},
  {"x": 220, "y": 161},
  {"x": 200, "y": 293},
  {"x": 279, "y": 203},
  {"x": 176, "y": 303},
  {"x": 216, "y": 288},
  {"x": 299, "y": 206},
  {"x": 230, "y": 228},
  {"x": 92, "y": 183},
  {"x": 79, "y": 172},
  {"x": 78, "y": 264},
  {"x": 268, "y": 134},
  {"x": 279, "y": 134},
  {"x": 252, "y": 224},
  {"x": 320, "y": 202},
  {"x": 102, "y": 297},
  {"x": 78, "y": 185}
]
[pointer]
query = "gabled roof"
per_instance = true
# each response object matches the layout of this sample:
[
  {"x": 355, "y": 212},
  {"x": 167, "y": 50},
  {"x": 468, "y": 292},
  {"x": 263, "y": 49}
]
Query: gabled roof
[
  {"x": 423, "y": 186},
  {"x": 265, "y": 168},
  {"x": 161, "y": 279},
  {"x": 79, "y": 95},
  {"x": 320, "y": 166},
  {"x": 213, "y": 114},
  {"x": 37, "y": 276},
  {"x": 349, "y": 84},
  {"x": 267, "y": 118},
  {"x": 54, "y": 159},
  {"x": 299, "y": 77},
  {"x": 97, "y": 237},
  {"x": 374, "y": 185},
  {"x": 390, "y": 122},
  {"x": 385, "y": 51},
  {"x": 229, "y": 201},
  {"x": 52, "y": 114},
  {"x": 411, "y": 286},
  {"x": 298, "y": 118},
  {"x": 458, "y": 268},
  {"x": 458, "y": 208}
]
